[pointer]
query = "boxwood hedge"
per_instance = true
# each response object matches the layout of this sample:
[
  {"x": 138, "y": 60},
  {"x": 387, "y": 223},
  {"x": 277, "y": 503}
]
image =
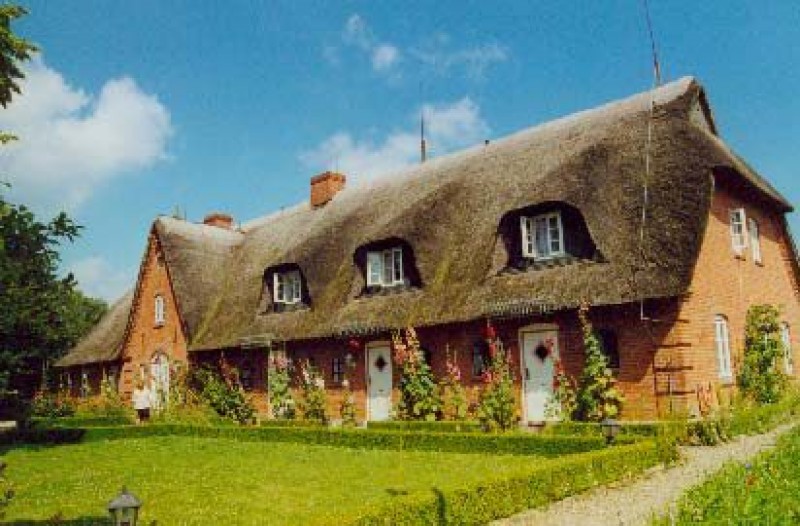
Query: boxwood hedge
[
  {"x": 510, "y": 444},
  {"x": 550, "y": 481}
]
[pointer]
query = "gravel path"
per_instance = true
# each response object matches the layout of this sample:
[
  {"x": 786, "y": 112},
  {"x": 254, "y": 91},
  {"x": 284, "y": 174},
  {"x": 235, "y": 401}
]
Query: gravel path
[{"x": 636, "y": 502}]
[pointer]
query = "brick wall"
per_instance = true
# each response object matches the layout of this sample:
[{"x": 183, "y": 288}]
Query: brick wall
[
  {"x": 727, "y": 284},
  {"x": 147, "y": 338}
]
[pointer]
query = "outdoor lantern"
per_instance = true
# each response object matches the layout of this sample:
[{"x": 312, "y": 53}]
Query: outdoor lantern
[
  {"x": 124, "y": 509},
  {"x": 610, "y": 429}
]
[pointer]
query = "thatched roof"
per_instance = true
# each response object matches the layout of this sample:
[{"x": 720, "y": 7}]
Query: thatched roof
[
  {"x": 449, "y": 211},
  {"x": 104, "y": 341}
]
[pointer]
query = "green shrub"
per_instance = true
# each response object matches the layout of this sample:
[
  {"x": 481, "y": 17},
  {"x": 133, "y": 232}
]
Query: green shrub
[
  {"x": 14, "y": 407},
  {"x": 438, "y": 426},
  {"x": 52, "y": 405},
  {"x": 455, "y": 405},
  {"x": 226, "y": 398},
  {"x": 497, "y": 409},
  {"x": 281, "y": 402},
  {"x": 598, "y": 397},
  {"x": 761, "y": 378},
  {"x": 510, "y": 444},
  {"x": 83, "y": 421},
  {"x": 500, "y": 497},
  {"x": 313, "y": 403},
  {"x": 419, "y": 394}
]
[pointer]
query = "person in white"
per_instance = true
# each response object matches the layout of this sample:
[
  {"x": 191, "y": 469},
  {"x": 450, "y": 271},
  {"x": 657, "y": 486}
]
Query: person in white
[{"x": 142, "y": 401}]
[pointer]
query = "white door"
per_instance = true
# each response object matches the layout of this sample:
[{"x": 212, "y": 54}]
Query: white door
[
  {"x": 159, "y": 374},
  {"x": 379, "y": 380},
  {"x": 539, "y": 350}
]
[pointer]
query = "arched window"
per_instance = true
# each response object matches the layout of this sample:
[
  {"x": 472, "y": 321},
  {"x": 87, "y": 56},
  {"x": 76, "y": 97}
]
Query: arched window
[
  {"x": 723, "y": 346},
  {"x": 788, "y": 356},
  {"x": 159, "y": 310}
]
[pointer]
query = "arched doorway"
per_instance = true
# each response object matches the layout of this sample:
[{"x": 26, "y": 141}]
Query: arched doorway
[{"x": 159, "y": 374}]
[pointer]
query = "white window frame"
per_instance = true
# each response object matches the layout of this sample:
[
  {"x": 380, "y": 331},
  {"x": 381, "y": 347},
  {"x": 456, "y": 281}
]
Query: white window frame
[
  {"x": 159, "y": 309},
  {"x": 738, "y": 220},
  {"x": 385, "y": 267},
  {"x": 755, "y": 239},
  {"x": 529, "y": 233},
  {"x": 722, "y": 343},
  {"x": 287, "y": 287},
  {"x": 788, "y": 356}
]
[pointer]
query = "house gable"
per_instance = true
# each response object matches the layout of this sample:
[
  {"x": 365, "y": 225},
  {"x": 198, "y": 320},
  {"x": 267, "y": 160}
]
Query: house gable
[{"x": 150, "y": 332}]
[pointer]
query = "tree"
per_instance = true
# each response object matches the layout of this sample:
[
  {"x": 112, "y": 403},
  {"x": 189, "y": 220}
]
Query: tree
[{"x": 41, "y": 314}]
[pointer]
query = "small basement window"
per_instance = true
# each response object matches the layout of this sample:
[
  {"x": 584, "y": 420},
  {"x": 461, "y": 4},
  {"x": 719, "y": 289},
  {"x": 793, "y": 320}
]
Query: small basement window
[
  {"x": 542, "y": 236},
  {"x": 287, "y": 287},
  {"x": 385, "y": 267},
  {"x": 738, "y": 238}
]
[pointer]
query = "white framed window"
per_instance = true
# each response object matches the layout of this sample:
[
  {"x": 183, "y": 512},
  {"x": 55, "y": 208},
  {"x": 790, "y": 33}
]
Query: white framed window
[
  {"x": 723, "y": 345},
  {"x": 542, "y": 236},
  {"x": 738, "y": 237},
  {"x": 788, "y": 356},
  {"x": 159, "y": 310},
  {"x": 755, "y": 239},
  {"x": 385, "y": 267},
  {"x": 287, "y": 287}
]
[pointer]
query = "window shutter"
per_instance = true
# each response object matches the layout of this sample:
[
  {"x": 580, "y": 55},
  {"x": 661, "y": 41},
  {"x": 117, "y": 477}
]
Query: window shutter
[
  {"x": 755, "y": 239},
  {"x": 374, "y": 268},
  {"x": 526, "y": 229}
]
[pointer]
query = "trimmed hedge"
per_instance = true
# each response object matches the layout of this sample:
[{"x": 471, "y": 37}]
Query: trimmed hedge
[
  {"x": 428, "y": 427},
  {"x": 512, "y": 444},
  {"x": 82, "y": 421},
  {"x": 292, "y": 423},
  {"x": 550, "y": 481},
  {"x": 648, "y": 429}
]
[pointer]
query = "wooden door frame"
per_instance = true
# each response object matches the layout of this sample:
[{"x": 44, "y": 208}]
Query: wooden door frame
[{"x": 368, "y": 381}]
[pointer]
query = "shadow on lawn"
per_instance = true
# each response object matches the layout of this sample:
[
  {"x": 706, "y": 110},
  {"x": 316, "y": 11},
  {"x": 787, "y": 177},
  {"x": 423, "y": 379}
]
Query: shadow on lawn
[{"x": 56, "y": 521}]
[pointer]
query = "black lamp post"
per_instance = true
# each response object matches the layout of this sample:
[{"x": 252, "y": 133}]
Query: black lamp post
[
  {"x": 610, "y": 429},
  {"x": 124, "y": 509}
]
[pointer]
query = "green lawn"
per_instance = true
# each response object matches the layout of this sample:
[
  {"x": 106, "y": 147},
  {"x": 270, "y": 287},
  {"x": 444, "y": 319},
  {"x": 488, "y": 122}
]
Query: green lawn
[
  {"x": 766, "y": 491},
  {"x": 184, "y": 480}
]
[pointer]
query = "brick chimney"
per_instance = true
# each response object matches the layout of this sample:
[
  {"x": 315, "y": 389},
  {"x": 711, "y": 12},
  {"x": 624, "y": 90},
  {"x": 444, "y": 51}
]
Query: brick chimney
[
  {"x": 219, "y": 220},
  {"x": 324, "y": 186}
]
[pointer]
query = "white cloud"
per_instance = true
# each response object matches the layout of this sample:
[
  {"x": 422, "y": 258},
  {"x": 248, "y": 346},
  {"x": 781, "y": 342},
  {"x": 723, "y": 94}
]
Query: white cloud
[
  {"x": 97, "y": 278},
  {"x": 72, "y": 142},
  {"x": 449, "y": 126},
  {"x": 474, "y": 61},
  {"x": 383, "y": 56}
]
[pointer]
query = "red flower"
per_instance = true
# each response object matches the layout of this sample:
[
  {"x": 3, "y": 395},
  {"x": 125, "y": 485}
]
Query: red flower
[
  {"x": 492, "y": 350},
  {"x": 489, "y": 332}
]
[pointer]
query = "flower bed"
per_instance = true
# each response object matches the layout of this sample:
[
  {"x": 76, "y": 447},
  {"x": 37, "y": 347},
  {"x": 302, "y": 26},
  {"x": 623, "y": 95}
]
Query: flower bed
[
  {"x": 509, "y": 444},
  {"x": 502, "y": 497}
]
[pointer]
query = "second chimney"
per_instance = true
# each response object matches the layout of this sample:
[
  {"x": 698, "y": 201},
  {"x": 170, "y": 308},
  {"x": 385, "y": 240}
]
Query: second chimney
[
  {"x": 219, "y": 220},
  {"x": 324, "y": 186}
]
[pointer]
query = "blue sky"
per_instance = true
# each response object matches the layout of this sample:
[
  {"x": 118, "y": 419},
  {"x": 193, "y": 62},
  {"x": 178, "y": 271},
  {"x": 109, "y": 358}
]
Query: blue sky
[{"x": 136, "y": 107}]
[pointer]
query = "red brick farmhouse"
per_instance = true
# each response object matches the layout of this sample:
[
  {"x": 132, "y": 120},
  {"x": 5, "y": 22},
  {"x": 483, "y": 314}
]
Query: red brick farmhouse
[{"x": 518, "y": 232}]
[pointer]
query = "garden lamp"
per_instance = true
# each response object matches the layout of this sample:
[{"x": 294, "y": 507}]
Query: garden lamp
[
  {"x": 124, "y": 509},
  {"x": 610, "y": 429}
]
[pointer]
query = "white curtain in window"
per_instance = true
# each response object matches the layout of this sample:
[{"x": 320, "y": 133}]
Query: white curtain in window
[
  {"x": 374, "y": 268},
  {"x": 542, "y": 244}
]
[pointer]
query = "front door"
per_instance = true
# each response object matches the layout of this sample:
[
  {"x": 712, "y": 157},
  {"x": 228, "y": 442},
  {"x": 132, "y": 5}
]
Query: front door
[
  {"x": 539, "y": 351},
  {"x": 379, "y": 380},
  {"x": 159, "y": 374}
]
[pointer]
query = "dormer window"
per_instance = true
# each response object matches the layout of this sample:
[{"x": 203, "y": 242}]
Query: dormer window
[
  {"x": 542, "y": 236},
  {"x": 287, "y": 287},
  {"x": 385, "y": 267}
]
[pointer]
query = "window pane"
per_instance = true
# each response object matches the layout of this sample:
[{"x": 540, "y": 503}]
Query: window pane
[
  {"x": 526, "y": 226},
  {"x": 280, "y": 286},
  {"x": 542, "y": 245},
  {"x": 374, "y": 268},
  {"x": 296, "y": 291},
  {"x": 387, "y": 267},
  {"x": 555, "y": 234}
]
